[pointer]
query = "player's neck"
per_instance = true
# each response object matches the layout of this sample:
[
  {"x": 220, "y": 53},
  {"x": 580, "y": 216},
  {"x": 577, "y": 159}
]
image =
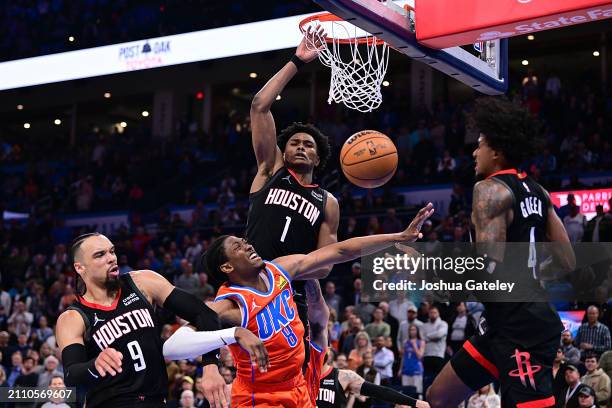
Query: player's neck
[
  {"x": 253, "y": 280},
  {"x": 99, "y": 295},
  {"x": 304, "y": 177}
]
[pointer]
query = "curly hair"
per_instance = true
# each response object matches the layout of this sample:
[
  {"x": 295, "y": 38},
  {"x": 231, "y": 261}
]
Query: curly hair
[
  {"x": 508, "y": 127},
  {"x": 322, "y": 141}
]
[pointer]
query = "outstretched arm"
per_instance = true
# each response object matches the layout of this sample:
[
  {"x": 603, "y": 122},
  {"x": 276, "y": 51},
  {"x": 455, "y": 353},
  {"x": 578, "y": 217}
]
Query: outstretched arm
[
  {"x": 318, "y": 313},
  {"x": 356, "y": 385},
  {"x": 268, "y": 155},
  {"x": 312, "y": 266}
]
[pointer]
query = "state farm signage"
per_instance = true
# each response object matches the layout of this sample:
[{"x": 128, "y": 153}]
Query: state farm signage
[{"x": 448, "y": 24}]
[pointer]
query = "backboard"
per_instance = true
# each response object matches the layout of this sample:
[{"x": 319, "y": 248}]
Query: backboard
[{"x": 486, "y": 73}]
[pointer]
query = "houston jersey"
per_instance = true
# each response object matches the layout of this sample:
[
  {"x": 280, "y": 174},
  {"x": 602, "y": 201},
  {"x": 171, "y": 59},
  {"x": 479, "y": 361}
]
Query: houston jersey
[
  {"x": 273, "y": 317},
  {"x": 530, "y": 215},
  {"x": 285, "y": 216},
  {"x": 129, "y": 326},
  {"x": 331, "y": 394}
]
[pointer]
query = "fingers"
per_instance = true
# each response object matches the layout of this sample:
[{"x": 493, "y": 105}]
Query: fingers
[
  {"x": 262, "y": 357},
  {"x": 109, "y": 361}
]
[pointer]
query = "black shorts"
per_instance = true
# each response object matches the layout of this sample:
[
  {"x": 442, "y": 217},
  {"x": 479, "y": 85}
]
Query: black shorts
[{"x": 524, "y": 374}]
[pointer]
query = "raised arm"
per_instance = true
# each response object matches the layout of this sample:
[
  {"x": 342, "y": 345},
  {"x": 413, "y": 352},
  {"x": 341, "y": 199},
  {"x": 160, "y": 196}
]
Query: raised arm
[
  {"x": 328, "y": 233},
  {"x": 268, "y": 155},
  {"x": 313, "y": 265},
  {"x": 318, "y": 313}
]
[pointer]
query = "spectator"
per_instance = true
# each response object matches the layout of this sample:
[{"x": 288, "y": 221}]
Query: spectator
[
  {"x": 167, "y": 269},
  {"x": 484, "y": 398},
  {"x": 227, "y": 375},
  {"x": 362, "y": 345},
  {"x": 586, "y": 398},
  {"x": 5, "y": 299},
  {"x": 399, "y": 306},
  {"x": 365, "y": 310},
  {"x": 553, "y": 85},
  {"x": 572, "y": 387},
  {"x": 378, "y": 327},
  {"x": 411, "y": 367},
  {"x": 402, "y": 335},
  {"x": 28, "y": 377},
  {"x": 558, "y": 371},
  {"x": 56, "y": 383},
  {"x": 599, "y": 228},
  {"x": 434, "y": 333},
  {"x": 390, "y": 320},
  {"x": 574, "y": 224},
  {"x": 462, "y": 327},
  {"x": 355, "y": 327},
  {"x": 391, "y": 223},
  {"x": 187, "y": 280},
  {"x": 341, "y": 362},
  {"x": 605, "y": 363},
  {"x": 332, "y": 299},
  {"x": 21, "y": 318},
  {"x": 592, "y": 335},
  {"x": 564, "y": 210},
  {"x": 3, "y": 382},
  {"x": 597, "y": 379},
  {"x": 50, "y": 371},
  {"x": 187, "y": 399},
  {"x": 123, "y": 265},
  {"x": 571, "y": 353},
  {"x": 368, "y": 373},
  {"x": 383, "y": 360},
  {"x": 205, "y": 290},
  {"x": 16, "y": 367}
]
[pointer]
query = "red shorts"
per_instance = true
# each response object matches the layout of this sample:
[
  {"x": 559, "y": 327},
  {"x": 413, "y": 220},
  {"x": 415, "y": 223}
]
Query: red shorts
[
  {"x": 290, "y": 394},
  {"x": 313, "y": 371}
]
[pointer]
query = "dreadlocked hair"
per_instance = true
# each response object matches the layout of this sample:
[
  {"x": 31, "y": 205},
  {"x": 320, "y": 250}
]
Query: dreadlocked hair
[
  {"x": 508, "y": 127},
  {"x": 322, "y": 141},
  {"x": 212, "y": 260},
  {"x": 74, "y": 247}
]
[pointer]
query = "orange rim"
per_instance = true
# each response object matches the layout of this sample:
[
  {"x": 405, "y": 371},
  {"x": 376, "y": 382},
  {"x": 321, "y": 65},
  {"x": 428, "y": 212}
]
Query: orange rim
[{"x": 329, "y": 17}]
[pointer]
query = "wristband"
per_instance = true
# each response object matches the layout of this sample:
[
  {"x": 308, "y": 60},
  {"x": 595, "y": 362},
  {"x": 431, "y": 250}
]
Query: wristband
[{"x": 297, "y": 62}]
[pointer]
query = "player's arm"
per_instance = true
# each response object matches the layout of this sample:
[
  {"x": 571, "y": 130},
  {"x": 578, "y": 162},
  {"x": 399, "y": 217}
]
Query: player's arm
[
  {"x": 490, "y": 206},
  {"x": 187, "y": 343},
  {"x": 267, "y": 153},
  {"x": 328, "y": 233},
  {"x": 311, "y": 266},
  {"x": 562, "y": 252},
  {"x": 78, "y": 369},
  {"x": 318, "y": 313},
  {"x": 354, "y": 384}
]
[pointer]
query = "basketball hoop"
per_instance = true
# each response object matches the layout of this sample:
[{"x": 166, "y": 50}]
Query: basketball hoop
[{"x": 356, "y": 74}]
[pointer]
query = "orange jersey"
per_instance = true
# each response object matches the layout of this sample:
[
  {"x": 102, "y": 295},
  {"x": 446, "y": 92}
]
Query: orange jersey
[
  {"x": 274, "y": 318},
  {"x": 313, "y": 372}
]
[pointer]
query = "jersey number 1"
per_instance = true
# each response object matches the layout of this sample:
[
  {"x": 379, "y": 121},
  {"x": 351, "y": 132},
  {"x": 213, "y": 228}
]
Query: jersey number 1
[
  {"x": 137, "y": 356},
  {"x": 285, "y": 229}
]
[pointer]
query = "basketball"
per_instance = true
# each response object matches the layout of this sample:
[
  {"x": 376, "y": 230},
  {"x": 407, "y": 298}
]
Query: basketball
[{"x": 368, "y": 159}]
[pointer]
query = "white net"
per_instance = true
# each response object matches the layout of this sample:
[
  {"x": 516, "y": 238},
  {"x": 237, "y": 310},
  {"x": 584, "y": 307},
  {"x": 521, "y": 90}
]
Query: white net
[{"x": 357, "y": 70}]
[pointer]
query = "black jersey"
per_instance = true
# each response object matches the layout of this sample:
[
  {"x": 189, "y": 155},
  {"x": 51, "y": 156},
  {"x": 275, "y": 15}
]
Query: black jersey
[
  {"x": 129, "y": 325},
  {"x": 527, "y": 323},
  {"x": 331, "y": 394},
  {"x": 284, "y": 219}
]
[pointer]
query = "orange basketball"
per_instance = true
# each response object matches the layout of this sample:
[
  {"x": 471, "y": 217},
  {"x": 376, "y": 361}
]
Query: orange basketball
[{"x": 368, "y": 159}]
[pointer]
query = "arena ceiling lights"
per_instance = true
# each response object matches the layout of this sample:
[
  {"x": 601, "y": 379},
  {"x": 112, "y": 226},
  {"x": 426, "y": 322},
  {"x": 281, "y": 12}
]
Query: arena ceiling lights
[{"x": 157, "y": 52}]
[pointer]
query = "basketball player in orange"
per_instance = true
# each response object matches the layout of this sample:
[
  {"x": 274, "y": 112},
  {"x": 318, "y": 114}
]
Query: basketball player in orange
[
  {"x": 258, "y": 295},
  {"x": 288, "y": 213}
]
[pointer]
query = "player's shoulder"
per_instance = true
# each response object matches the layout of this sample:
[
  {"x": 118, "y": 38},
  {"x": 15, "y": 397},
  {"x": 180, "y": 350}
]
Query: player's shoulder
[
  {"x": 70, "y": 318},
  {"x": 492, "y": 190}
]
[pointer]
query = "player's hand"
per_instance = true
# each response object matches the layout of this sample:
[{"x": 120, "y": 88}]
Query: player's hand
[
  {"x": 311, "y": 43},
  {"x": 214, "y": 388},
  {"x": 413, "y": 232},
  {"x": 422, "y": 404},
  {"x": 108, "y": 361},
  {"x": 254, "y": 346}
]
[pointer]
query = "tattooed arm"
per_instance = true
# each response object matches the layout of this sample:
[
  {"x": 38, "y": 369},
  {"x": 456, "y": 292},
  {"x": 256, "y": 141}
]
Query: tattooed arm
[
  {"x": 491, "y": 215},
  {"x": 354, "y": 384},
  {"x": 318, "y": 313}
]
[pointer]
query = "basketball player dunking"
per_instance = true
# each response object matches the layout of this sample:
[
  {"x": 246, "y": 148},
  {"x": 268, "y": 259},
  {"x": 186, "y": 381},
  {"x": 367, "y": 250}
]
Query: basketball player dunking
[
  {"x": 110, "y": 339},
  {"x": 519, "y": 344},
  {"x": 258, "y": 295},
  {"x": 288, "y": 214}
]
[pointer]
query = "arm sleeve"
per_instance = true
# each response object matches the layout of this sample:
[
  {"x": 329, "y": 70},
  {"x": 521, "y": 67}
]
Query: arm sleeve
[
  {"x": 186, "y": 343},
  {"x": 77, "y": 369},
  {"x": 387, "y": 394}
]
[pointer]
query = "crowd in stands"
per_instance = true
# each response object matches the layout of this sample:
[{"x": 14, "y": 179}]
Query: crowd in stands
[{"x": 31, "y": 28}]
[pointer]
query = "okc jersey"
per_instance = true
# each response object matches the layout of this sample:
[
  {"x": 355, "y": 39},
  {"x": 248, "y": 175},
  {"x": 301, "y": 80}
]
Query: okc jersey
[
  {"x": 129, "y": 326},
  {"x": 273, "y": 317},
  {"x": 331, "y": 394},
  {"x": 530, "y": 214}
]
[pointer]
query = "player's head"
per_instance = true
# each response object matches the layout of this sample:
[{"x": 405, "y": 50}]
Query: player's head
[
  {"x": 229, "y": 255},
  {"x": 507, "y": 135},
  {"x": 305, "y": 148},
  {"x": 94, "y": 259}
]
